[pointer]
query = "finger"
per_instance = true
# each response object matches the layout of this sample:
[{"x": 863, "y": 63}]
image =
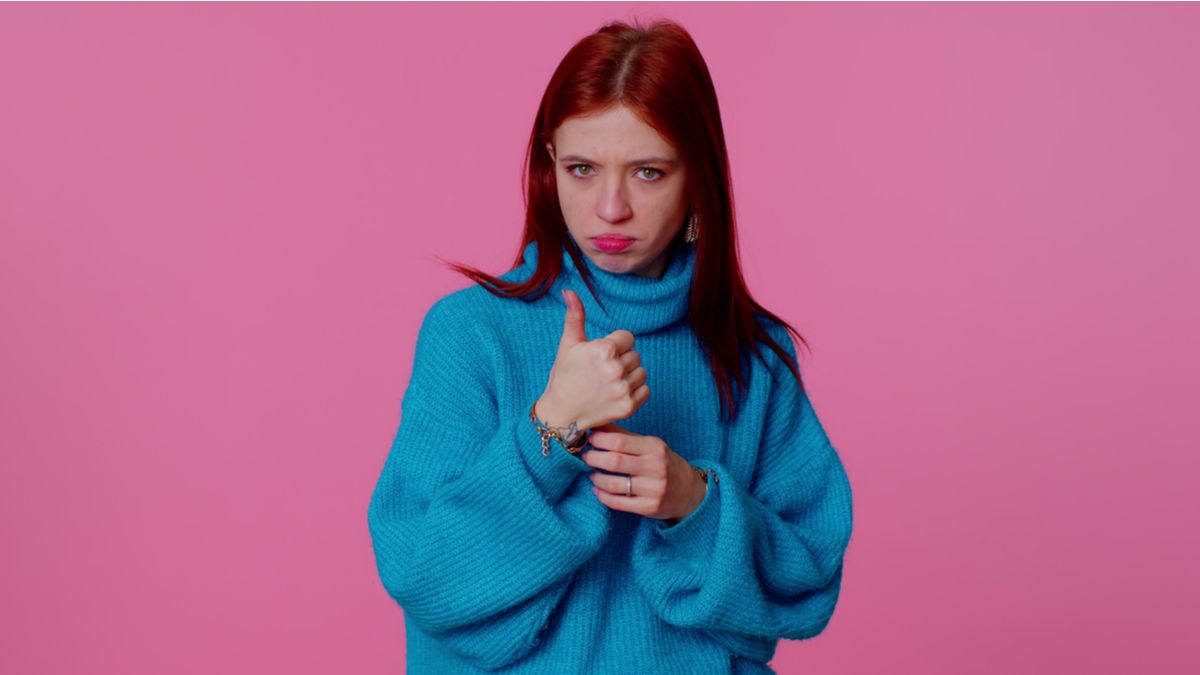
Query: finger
[
  {"x": 573, "y": 322},
  {"x": 613, "y": 461},
  {"x": 617, "y": 483},
  {"x": 621, "y": 443},
  {"x": 635, "y": 504},
  {"x": 641, "y": 394},
  {"x": 622, "y": 339},
  {"x": 630, "y": 360},
  {"x": 628, "y": 460},
  {"x": 636, "y": 378}
]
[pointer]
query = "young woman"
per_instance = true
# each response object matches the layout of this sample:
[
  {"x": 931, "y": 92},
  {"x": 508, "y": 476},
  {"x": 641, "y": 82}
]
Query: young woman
[{"x": 598, "y": 469}]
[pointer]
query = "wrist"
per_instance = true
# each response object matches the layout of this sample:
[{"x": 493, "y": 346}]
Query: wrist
[
  {"x": 570, "y": 429},
  {"x": 699, "y": 488},
  {"x": 698, "y": 493}
]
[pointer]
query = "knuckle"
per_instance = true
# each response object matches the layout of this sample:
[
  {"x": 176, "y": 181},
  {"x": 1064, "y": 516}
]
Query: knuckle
[{"x": 607, "y": 348}]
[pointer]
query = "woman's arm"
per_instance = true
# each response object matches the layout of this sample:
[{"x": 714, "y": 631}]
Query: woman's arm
[
  {"x": 476, "y": 534},
  {"x": 699, "y": 492},
  {"x": 764, "y": 564}
]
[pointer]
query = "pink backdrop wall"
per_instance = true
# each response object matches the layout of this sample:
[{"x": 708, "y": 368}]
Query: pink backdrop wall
[{"x": 218, "y": 226}]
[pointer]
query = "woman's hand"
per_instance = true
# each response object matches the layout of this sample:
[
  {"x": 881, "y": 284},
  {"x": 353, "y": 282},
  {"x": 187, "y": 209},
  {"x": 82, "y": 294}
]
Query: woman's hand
[
  {"x": 592, "y": 382},
  {"x": 665, "y": 485}
]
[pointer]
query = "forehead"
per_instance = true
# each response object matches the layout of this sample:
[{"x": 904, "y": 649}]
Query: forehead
[{"x": 615, "y": 133}]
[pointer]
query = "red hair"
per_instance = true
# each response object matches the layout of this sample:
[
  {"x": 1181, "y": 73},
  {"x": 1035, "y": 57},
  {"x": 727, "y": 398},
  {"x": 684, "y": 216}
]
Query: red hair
[{"x": 659, "y": 73}]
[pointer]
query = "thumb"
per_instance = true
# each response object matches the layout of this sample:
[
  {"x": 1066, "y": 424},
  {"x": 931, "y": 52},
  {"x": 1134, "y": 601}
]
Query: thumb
[{"x": 573, "y": 324}]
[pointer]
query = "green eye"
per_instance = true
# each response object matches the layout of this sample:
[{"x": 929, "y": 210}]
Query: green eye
[{"x": 657, "y": 173}]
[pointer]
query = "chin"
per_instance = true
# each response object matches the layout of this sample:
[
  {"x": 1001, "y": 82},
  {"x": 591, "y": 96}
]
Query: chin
[{"x": 616, "y": 262}]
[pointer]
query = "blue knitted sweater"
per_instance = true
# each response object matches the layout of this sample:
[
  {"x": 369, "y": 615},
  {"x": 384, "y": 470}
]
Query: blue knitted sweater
[{"x": 503, "y": 560}]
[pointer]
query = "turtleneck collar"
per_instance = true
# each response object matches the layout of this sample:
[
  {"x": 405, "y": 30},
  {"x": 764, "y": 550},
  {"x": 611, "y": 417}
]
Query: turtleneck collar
[{"x": 635, "y": 303}]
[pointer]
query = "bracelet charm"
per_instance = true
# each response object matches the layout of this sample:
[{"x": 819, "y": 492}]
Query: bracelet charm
[{"x": 548, "y": 433}]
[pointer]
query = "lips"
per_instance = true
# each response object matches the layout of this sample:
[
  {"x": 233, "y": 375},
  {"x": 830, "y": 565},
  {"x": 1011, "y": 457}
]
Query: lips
[{"x": 612, "y": 243}]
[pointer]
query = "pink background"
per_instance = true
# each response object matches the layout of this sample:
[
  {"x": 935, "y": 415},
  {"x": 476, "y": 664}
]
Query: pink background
[{"x": 219, "y": 225}]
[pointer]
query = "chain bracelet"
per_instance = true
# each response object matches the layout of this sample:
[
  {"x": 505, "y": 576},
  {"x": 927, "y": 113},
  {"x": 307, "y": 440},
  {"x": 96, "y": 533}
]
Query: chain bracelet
[
  {"x": 547, "y": 433},
  {"x": 705, "y": 473}
]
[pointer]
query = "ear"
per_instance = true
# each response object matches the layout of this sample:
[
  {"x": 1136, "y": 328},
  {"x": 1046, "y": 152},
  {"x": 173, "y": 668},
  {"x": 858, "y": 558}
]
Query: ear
[{"x": 550, "y": 149}]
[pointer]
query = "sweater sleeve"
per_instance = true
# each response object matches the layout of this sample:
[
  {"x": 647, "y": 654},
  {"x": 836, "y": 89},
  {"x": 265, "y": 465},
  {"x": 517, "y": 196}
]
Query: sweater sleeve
[
  {"x": 752, "y": 566},
  {"x": 476, "y": 533}
]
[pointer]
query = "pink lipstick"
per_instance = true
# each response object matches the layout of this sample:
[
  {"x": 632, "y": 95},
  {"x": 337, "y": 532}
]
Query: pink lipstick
[{"x": 612, "y": 243}]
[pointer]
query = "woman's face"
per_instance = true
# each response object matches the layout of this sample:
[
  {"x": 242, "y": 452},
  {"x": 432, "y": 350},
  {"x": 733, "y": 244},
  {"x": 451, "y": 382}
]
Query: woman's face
[{"x": 619, "y": 182}]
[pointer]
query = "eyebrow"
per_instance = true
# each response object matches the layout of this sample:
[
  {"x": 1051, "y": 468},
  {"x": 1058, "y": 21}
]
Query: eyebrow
[{"x": 648, "y": 160}]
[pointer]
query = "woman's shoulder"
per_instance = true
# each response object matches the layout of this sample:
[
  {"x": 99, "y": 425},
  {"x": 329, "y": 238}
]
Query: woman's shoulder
[
  {"x": 778, "y": 332},
  {"x": 457, "y": 309},
  {"x": 480, "y": 305},
  {"x": 467, "y": 308}
]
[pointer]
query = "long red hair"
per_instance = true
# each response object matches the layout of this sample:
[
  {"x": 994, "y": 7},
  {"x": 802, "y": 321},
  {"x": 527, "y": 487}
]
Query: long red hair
[{"x": 659, "y": 73}]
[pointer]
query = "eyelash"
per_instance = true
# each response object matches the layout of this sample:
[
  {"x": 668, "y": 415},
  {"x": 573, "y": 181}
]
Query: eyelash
[{"x": 661, "y": 173}]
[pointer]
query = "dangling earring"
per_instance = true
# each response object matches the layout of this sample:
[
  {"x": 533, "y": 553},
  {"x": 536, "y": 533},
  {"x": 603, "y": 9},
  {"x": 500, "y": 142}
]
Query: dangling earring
[{"x": 693, "y": 232}]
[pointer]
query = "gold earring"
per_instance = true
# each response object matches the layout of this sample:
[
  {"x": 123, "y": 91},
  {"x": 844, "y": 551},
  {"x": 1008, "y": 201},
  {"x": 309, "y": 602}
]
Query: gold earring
[{"x": 693, "y": 232}]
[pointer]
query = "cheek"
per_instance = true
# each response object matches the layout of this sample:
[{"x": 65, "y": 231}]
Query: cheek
[
  {"x": 674, "y": 205},
  {"x": 668, "y": 213},
  {"x": 568, "y": 195}
]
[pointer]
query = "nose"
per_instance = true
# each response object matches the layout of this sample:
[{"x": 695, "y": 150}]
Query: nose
[{"x": 613, "y": 205}]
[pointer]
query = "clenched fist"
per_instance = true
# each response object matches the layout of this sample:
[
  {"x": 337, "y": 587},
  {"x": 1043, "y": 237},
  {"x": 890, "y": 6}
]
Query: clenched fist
[{"x": 592, "y": 382}]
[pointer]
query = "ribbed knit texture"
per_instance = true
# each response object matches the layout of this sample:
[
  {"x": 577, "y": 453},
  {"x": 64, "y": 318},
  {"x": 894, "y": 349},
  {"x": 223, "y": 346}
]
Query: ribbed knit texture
[{"x": 503, "y": 560}]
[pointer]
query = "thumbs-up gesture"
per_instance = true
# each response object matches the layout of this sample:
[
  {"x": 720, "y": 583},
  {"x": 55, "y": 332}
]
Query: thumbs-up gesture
[{"x": 592, "y": 382}]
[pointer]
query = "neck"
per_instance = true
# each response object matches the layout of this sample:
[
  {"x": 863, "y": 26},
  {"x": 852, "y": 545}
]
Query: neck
[{"x": 639, "y": 303}]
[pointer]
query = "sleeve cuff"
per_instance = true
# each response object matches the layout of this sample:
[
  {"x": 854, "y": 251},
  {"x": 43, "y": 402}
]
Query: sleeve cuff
[
  {"x": 696, "y": 532},
  {"x": 554, "y": 473}
]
